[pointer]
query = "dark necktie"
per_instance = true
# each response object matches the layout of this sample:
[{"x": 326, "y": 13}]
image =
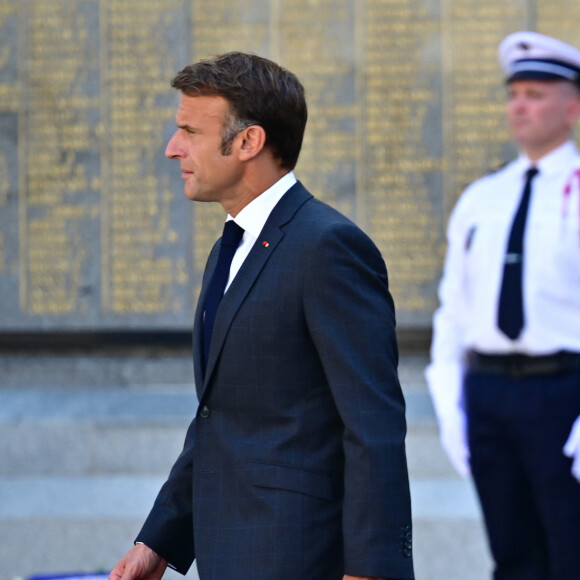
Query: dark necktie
[
  {"x": 230, "y": 241},
  {"x": 510, "y": 316}
]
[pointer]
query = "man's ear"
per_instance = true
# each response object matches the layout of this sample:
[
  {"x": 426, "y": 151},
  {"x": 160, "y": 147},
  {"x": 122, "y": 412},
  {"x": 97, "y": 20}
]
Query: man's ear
[
  {"x": 253, "y": 140},
  {"x": 573, "y": 103},
  {"x": 574, "y": 111}
]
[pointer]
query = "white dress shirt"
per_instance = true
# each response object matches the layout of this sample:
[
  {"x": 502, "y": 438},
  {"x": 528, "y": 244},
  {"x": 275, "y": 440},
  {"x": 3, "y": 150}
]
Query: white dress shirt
[
  {"x": 253, "y": 218},
  {"x": 478, "y": 233}
]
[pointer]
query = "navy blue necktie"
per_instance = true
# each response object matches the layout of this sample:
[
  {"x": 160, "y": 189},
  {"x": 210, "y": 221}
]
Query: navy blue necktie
[
  {"x": 510, "y": 316},
  {"x": 229, "y": 243}
]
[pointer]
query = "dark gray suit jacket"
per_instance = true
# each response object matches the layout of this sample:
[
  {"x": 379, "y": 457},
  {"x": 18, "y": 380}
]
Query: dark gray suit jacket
[{"x": 294, "y": 466}]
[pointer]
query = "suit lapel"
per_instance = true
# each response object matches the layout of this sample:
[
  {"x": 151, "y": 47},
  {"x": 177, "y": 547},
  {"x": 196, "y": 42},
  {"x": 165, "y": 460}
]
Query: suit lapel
[
  {"x": 198, "y": 320},
  {"x": 272, "y": 234}
]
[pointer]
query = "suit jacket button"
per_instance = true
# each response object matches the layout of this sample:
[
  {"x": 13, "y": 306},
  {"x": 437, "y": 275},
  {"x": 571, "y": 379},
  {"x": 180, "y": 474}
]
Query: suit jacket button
[{"x": 204, "y": 413}]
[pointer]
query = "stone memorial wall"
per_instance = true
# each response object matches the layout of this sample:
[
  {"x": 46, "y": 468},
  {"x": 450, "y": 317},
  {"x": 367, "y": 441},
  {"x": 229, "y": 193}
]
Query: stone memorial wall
[{"x": 405, "y": 108}]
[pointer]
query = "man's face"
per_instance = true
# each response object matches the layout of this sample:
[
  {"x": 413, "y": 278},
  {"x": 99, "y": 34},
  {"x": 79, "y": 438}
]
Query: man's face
[
  {"x": 209, "y": 175},
  {"x": 541, "y": 114}
]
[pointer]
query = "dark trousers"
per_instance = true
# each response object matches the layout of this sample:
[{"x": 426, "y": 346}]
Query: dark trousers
[{"x": 530, "y": 501}]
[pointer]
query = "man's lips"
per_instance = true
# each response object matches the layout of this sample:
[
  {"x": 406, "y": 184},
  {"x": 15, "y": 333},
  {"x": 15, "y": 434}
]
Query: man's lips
[{"x": 185, "y": 174}]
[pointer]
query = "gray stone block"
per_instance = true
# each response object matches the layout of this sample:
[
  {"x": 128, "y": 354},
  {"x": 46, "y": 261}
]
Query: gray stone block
[
  {"x": 450, "y": 549},
  {"x": 104, "y": 367},
  {"x": 60, "y": 545}
]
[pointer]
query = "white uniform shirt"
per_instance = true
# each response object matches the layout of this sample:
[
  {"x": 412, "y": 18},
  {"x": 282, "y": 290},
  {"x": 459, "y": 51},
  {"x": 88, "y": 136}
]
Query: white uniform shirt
[{"x": 477, "y": 240}]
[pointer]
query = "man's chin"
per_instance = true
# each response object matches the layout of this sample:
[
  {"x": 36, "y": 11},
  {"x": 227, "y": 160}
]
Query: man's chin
[
  {"x": 197, "y": 196},
  {"x": 521, "y": 137}
]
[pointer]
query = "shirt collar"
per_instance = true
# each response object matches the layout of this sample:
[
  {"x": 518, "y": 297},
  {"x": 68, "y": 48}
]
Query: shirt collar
[
  {"x": 560, "y": 159},
  {"x": 254, "y": 216}
]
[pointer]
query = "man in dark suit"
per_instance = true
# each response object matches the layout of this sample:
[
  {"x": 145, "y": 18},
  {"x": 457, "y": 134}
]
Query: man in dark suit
[{"x": 294, "y": 466}]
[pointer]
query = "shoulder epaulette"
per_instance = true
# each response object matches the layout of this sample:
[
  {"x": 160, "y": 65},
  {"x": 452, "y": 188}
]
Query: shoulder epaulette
[{"x": 494, "y": 169}]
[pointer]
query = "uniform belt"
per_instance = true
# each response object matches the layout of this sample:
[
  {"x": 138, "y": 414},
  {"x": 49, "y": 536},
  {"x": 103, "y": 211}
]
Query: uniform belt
[{"x": 521, "y": 365}]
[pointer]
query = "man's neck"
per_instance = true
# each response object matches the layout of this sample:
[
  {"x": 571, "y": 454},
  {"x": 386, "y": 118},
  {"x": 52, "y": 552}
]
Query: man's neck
[
  {"x": 251, "y": 189},
  {"x": 534, "y": 154}
]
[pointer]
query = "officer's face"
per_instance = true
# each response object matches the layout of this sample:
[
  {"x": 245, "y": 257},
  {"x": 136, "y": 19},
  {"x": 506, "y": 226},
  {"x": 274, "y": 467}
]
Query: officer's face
[{"x": 541, "y": 114}]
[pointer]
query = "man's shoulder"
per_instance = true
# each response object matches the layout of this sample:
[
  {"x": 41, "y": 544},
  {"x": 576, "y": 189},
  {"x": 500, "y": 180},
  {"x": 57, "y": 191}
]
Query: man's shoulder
[
  {"x": 491, "y": 181},
  {"x": 315, "y": 224},
  {"x": 324, "y": 210},
  {"x": 310, "y": 208},
  {"x": 320, "y": 217},
  {"x": 493, "y": 174},
  {"x": 482, "y": 195}
]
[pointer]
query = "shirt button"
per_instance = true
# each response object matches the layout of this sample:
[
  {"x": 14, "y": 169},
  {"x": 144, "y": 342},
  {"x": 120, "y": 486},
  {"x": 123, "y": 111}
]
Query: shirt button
[{"x": 204, "y": 413}]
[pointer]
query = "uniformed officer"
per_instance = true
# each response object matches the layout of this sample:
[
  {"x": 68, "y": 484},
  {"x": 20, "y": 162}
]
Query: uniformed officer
[{"x": 505, "y": 368}]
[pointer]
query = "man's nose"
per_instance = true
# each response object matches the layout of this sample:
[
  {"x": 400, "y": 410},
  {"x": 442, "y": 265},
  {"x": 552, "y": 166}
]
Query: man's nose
[
  {"x": 173, "y": 149},
  {"x": 519, "y": 102}
]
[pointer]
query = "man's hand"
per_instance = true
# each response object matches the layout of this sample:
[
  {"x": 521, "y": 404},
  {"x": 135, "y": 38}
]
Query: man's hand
[
  {"x": 572, "y": 448},
  {"x": 139, "y": 563},
  {"x": 445, "y": 386}
]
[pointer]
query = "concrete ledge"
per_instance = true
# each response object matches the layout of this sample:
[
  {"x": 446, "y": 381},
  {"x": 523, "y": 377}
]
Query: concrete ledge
[{"x": 136, "y": 430}]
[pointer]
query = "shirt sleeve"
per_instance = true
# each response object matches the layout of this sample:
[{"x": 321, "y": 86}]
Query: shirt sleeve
[{"x": 445, "y": 372}]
